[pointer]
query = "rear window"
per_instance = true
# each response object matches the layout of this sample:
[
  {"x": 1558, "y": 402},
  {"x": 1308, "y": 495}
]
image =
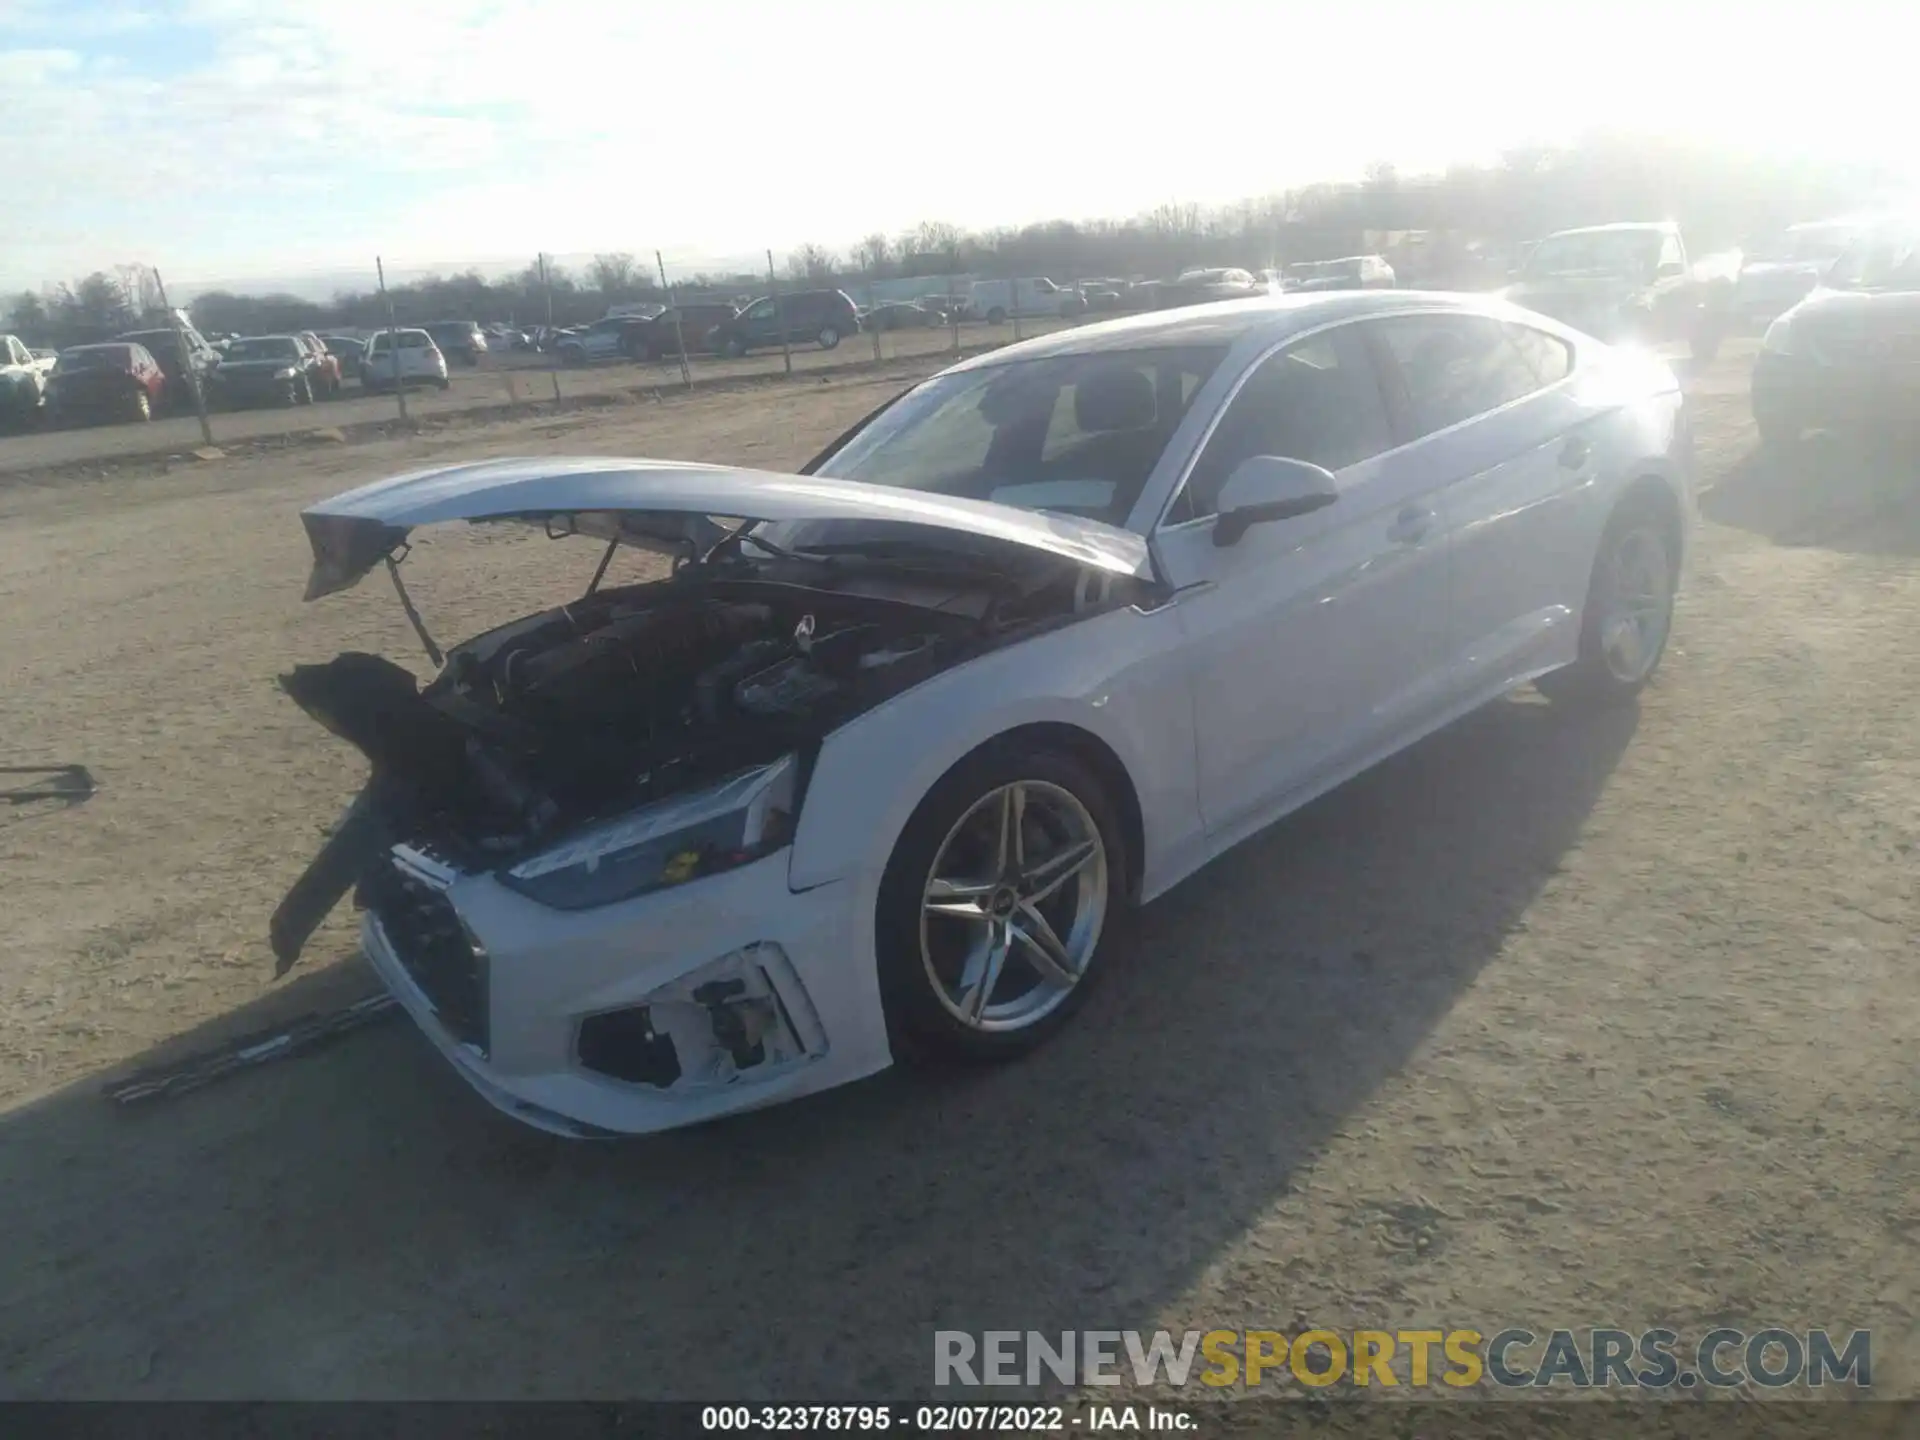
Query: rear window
[
  {"x": 409, "y": 340},
  {"x": 95, "y": 357}
]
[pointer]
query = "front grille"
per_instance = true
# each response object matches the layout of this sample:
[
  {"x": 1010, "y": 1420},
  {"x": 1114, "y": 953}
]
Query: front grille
[{"x": 427, "y": 937}]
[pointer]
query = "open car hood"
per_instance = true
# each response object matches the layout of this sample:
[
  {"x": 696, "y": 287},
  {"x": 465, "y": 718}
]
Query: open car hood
[{"x": 665, "y": 505}]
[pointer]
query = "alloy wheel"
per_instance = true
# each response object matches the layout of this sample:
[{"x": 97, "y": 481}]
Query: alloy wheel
[{"x": 1013, "y": 906}]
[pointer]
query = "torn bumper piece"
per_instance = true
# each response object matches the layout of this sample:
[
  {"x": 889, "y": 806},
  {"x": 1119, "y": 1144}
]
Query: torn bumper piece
[{"x": 722, "y": 995}]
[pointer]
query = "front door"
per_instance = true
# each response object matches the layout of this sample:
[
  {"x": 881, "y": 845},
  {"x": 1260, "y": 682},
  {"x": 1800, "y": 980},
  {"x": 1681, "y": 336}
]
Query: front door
[{"x": 1312, "y": 638}]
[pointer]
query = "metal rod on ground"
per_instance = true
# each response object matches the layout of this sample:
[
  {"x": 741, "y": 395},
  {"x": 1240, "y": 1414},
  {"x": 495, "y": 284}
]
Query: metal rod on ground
[
  {"x": 553, "y": 350},
  {"x": 679, "y": 337},
  {"x": 393, "y": 340},
  {"x": 187, "y": 360},
  {"x": 779, "y": 313}
]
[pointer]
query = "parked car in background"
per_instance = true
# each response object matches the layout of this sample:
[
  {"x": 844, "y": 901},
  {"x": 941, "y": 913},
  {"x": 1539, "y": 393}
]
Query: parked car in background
[
  {"x": 1778, "y": 271},
  {"x": 403, "y": 357},
  {"x": 817, "y": 317},
  {"x": 459, "y": 340},
  {"x": 883, "y": 774},
  {"x": 1103, "y": 296},
  {"x": 115, "y": 381},
  {"x": 692, "y": 324},
  {"x": 1349, "y": 272},
  {"x": 326, "y": 373},
  {"x": 23, "y": 382},
  {"x": 1201, "y": 287},
  {"x": 184, "y": 355},
  {"x": 1847, "y": 357},
  {"x": 604, "y": 339},
  {"x": 268, "y": 369},
  {"x": 349, "y": 353},
  {"x": 899, "y": 315},
  {"x": 1627, "y": 282},
  {"x": 994, "y": 300}
]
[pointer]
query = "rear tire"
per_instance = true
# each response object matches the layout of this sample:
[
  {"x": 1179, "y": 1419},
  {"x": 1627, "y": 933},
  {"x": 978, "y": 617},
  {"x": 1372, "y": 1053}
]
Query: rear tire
[
  {"x": 1628, "y": 617},
  {"x": 441, "y": 382},
  {"x": 1017, "y": 998},
  {"x": 996, "y": 316},
  {"x": 828, "y": 337},
  {"x": 736, "y": 348}
]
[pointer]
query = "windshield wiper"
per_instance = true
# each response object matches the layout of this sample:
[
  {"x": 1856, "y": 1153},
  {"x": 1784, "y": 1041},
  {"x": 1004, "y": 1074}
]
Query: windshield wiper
[{"x": 961, "y": 561}]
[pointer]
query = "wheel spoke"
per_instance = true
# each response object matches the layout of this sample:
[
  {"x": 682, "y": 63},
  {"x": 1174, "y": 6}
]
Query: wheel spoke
[
  {"x": 1043, "y": 949},
  {"x": 958, "y": 899},
  {"x": 1013, "y": 813},
  {"x": 983, "y": 971},
  {"x": 1048, "y": 875}
]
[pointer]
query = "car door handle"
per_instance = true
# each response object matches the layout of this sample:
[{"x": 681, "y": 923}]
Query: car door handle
[
  {"x": 1411, "y": 525},
  {"x": 1576, "y": 452}
]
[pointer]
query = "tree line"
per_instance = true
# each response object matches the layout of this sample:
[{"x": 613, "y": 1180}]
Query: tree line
[{"x": 1468, "y": 213}]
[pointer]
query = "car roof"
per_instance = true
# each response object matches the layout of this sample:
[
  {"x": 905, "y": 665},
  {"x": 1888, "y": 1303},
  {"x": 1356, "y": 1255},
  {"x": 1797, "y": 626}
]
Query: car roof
[
  {"x": 1662, "y": 226},
  {"x": 1228, "y": 322}
]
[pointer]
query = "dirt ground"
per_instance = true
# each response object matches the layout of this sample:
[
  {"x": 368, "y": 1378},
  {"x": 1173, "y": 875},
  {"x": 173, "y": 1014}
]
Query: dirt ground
[{"x": 1547, "y": 1022}]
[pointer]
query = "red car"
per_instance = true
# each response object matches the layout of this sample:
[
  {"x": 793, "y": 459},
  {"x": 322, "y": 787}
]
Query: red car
[
  {"x": 100, "y": 382},
  {"x": 326, "y": 378}
]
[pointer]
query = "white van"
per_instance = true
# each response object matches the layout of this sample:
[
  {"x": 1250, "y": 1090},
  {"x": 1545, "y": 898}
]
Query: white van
[{"x": 994, "y": 300}]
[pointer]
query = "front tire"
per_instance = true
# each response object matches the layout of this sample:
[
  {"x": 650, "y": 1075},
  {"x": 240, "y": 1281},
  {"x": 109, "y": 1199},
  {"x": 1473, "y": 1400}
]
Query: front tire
[
  {"x": 1629, "y": 611},
  {"x": 828, "y": 337},
  {"x": 994, "y": 903}
]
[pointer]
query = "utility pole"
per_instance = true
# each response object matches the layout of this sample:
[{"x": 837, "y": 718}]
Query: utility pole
[
  {"x": 189, "y": 361},
  {"x": 779, "y": 313},
  {"x": 679, "y": 336},
  {"x": 393, "y": 341}
]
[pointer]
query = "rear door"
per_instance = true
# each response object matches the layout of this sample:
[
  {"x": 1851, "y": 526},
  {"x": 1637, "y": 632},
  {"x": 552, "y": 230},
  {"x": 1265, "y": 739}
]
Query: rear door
[{"x": 1489, "y": 406}]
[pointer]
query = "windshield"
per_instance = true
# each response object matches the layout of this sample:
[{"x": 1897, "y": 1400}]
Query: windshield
[
  {"x": 266, "y": 347},
  {"x": 1821, "y": 244},
  {"x": 1596, "y": 252},
  {"x": 1073, "y": 434},
  {"x": 1888, "y": 261},
  {"x": 94, "y": 357}
]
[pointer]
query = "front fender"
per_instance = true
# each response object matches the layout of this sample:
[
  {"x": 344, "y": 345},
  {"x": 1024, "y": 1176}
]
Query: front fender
[{"x": 1118, "y": 676}]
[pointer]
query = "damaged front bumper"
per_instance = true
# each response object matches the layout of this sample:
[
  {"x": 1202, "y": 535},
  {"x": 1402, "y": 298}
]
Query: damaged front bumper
[{"x": 721, "y": 995}]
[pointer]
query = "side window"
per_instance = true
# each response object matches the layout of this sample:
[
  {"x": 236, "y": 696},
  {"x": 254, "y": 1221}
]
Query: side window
[
  {"x": 1318, "y": 400},
  {"x": 1454, "y": 367},
  {"x": 1670, "y": 251},
  {"x": 759, "y": 310},
  {"x": 1550, "y": 358}
]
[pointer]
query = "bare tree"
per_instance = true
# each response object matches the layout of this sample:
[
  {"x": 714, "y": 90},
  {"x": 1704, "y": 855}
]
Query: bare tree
[
  {"x": 874, "y": 254},
  {"x": 814, "y": 263},
  {"x": 29, "y": 313},
  {"x": 615, "y": 275}
]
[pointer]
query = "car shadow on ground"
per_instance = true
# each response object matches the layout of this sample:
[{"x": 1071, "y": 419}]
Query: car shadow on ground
[
  {"x": 1855, "y": 494},
  {"x": 357, "y": 1223}
]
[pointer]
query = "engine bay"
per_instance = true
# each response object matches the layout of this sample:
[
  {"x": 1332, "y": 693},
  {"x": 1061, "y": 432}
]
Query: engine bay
[{"x": 626, "y": 696}]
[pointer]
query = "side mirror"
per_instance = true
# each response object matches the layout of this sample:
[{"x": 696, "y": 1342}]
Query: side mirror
[{"x": 1270, "y": 487}]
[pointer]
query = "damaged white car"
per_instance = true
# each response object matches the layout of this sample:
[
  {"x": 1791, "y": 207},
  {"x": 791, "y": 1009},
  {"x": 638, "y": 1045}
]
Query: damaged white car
[{"x": 871, "y": 774}]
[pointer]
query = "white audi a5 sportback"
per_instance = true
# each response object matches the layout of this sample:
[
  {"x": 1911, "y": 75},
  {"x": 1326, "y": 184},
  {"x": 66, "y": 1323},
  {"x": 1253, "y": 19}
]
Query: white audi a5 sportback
[{"x": 873, "y": 774}]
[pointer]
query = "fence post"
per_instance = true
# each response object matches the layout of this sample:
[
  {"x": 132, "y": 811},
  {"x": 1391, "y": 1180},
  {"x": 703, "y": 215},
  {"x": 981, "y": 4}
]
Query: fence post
[
  {"x": 553, "y": 351},
  {"x": 779, "y": 313},
  {"x": 187, "y": 360},
  {"x": 393, "y": 341},
  {"x": 679, "y": 336},
  {"x": 875, "y": 328},
  {"x": 1013, "y": 304},
  {"x": 953, "y": 303}
]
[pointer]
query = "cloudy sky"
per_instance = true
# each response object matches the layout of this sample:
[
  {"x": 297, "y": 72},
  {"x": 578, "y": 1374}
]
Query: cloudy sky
[{"x": 222, "y": 140}]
